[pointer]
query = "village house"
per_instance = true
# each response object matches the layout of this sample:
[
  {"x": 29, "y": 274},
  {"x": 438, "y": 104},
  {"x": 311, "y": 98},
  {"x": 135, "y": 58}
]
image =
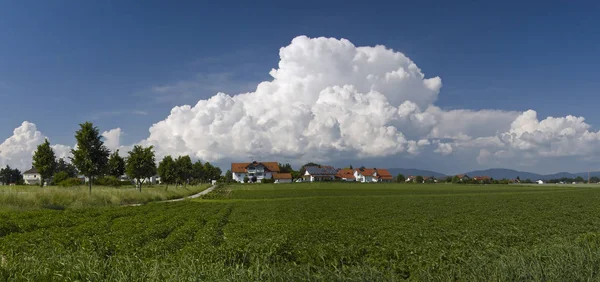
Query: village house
[
  {"x": 32, "y": 177},
  {"x": 319, "y": 173},
  {"x": 410, "y": 178},
  {"x": 463, "y": 177},
  {"x": 482, "y": 179},
  {"x": 346, "y": 174},
  {"x": 372, "y": 175},
  {"x": 255, "y": 170}
]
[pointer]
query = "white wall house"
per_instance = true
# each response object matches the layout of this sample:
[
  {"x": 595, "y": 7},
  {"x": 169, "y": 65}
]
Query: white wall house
[
  {"x": 366, "y": 175},
  {"x": 319, "y": 173},
  {"x": 32, "y": 177},
  {"x": 260, "y": 170},
  {"x": 540, "y": 182}
]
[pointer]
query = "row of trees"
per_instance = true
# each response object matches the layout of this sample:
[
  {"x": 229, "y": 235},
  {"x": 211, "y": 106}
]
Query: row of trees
[
  {"x": 181, "y": 171},
  {"x": 9, "y": 175},
  {"x": 92, "y": 159}
]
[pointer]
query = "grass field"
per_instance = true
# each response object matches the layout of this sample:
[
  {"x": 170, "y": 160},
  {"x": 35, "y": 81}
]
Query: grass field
[
  {"x": 317, "y": 232},
  {"x": 20, "y": 198}
]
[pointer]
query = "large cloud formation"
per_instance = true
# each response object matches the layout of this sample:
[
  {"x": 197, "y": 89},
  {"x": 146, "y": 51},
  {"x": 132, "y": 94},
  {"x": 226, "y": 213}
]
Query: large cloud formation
[{"x": 329, "y": 99}]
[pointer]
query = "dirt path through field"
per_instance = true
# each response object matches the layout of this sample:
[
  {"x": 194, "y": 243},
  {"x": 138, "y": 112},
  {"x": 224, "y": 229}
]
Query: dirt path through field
[{"x": 198, "y": 195}]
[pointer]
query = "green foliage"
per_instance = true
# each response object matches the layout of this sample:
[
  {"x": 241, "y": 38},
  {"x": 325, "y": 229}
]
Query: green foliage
[
  {"x": 285, "y": 168},
  {"x": 228, "y": 176},
  {"x": 400, "y": 178},
  {"x": 211, "y": 172},
  {"x": 198, "y": 172},
  {"x": 116, "y": 165},
  {"x": 315, "y": 232},
  {"x": 184, "y": 169},
  {"x": 9, "y": 175},
  {"x": 246, "y": 179},
  {"x": 60, "y": 177},
  {"x": 419, "y": 179},
  {"x": 90, "y": 156},
  {"x": 267, "y": 180},
  {"x": 70, "y": 182},
  {"x": 141, "y": 164},
  {"x": 68, "y": 168},
  {"x": 108, "y": 180},
  {"x": 167, "y": 171},
  {"x": 456, "y": 179},
  {"x": 44, "y": 161}
]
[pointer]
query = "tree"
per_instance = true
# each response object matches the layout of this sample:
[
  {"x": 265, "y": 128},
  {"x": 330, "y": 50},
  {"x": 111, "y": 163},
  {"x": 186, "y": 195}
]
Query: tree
[
  {"x": 198, "y": 171},
  {"x": 228, "y": 176},
  {"x": 116, "y": 165},
  {"x": 141, "y": 164},
  {"x": 44, "y": 161},
  {"x": 285, "y": 168},
  {"x": 595, "y": 179},
  {"x": 400, "y": 178},
  {"x": 211, "y": 172},
  {"x": 419, "y": 179},
  {"x": 579, "y": 179},
  {"x": 184, "y": 169},
  {"x": 9, "y": 175},
  {"x": 91, "y": 156},
  {"x": 60, "y": 177},
  {"x": 68, "y": 168},
  {"x": 167, "y": 171},
  {"x": 246, "y": 179},
  {"x": 448, "y": 179}
]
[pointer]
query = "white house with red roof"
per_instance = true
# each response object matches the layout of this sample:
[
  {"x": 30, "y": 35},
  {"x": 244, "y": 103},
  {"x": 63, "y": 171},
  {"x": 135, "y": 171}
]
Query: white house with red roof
[
  {"x": 259, "y": 170},
  {"x": 366, "y": 175}
]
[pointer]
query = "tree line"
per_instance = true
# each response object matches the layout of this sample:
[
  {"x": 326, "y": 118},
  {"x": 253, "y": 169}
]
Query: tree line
[{"x": 92, "y": 159}]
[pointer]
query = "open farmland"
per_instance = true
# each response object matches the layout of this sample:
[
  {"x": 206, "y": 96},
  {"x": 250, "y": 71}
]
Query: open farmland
[
  {"x": 328, "y": 231},
  {"x": 20, "y": 198}
]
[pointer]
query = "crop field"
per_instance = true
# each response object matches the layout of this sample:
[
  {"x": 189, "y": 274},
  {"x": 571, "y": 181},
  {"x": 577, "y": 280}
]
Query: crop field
[
  {"x": 317, "y": 232},
  {"x": 20, "y": 198}
]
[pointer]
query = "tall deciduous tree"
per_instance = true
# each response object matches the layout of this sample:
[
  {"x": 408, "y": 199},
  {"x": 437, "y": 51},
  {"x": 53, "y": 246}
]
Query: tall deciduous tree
[
  {"x": 44, "y": 161},
  {"x": 91, "y": 156},
  {"x": 116, "y": 165},
  {"x": 184, "y": 168},
  {"x": 141, "y": 164},
  {"x": 198, "y": 171},
  {"x": 167, "y": 171},
  {"x": 228, "y": 176},
  {"x": 68, "y": 168}
]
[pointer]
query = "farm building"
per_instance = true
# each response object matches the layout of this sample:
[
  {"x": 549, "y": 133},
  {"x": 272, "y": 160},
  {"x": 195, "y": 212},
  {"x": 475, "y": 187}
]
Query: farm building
[
  {"x": 282, "y": 177},
  {"x": 32, "y": 177},
  {"x": 260, "y": 170},
  {"x": 319, "y": 173}
]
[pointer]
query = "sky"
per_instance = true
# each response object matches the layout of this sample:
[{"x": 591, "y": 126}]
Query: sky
[{"x": 435, "y": 85}]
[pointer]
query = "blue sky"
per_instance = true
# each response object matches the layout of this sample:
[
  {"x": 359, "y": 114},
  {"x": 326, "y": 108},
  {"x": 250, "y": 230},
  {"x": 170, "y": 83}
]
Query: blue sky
[{"x": 65, "y": 62}]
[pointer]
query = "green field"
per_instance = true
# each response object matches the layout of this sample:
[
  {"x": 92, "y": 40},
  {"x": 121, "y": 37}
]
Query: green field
[
  {"x": 317, "y": 232},
  {"x": 21, "y": 198}
]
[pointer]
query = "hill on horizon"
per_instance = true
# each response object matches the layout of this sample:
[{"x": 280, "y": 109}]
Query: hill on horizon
[{"x": 496, "y": 173}]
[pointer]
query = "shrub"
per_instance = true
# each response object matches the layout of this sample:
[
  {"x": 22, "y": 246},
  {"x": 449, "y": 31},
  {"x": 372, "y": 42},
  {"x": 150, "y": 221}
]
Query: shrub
[
  {"x": 70, "y": 182},
  {"x": 246, "y": 179},
  {"x": 267, "y": 180},
  {"x": 253, "y": 179},
  {"x": 60, "y": 177},
  {"x": 107, "y": 181}
]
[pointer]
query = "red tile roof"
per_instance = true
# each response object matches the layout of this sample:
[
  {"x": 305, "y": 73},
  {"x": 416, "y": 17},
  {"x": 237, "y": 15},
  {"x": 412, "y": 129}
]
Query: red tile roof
[
  {"x": 282, "y": 176},
  {"x": 241, "y": 167},
  {"x": 384, "y": 174},
  {"x": 345, "y": 173}
]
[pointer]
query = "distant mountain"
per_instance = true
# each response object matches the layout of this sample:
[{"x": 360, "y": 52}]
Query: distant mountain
[
  {"x": 415, "y": 172},
  {"x": 500, "y": 173},
  {"x": 496, "y": 173}
]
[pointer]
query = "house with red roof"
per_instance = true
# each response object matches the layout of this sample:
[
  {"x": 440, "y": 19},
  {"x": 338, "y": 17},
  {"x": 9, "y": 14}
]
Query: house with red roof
[
  {"x": 255, "y": 170},
  {"x": 372, "y": 175}
]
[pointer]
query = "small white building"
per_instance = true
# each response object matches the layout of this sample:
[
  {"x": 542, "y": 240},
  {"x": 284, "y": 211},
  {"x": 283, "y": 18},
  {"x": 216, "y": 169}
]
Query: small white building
[
  {"x": 282, "y": 177},
  {"x": 32, "y": 177},
  {"x": 260, "y": 170},
  {"x": 540, "y": 182}
]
